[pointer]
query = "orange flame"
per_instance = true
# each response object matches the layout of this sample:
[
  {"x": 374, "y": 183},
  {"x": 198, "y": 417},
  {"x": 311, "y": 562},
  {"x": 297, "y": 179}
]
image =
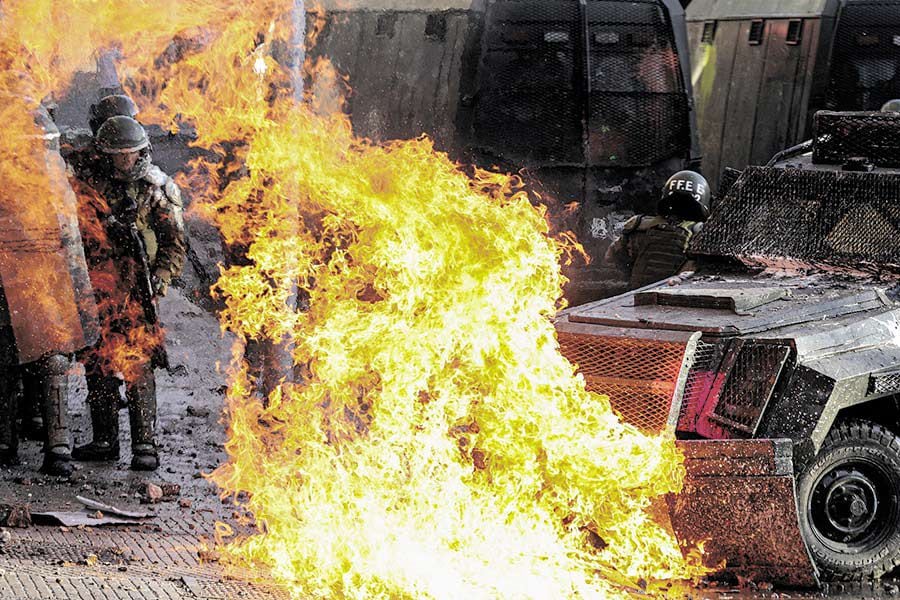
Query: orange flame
[
  {"x": 127, "y": 343},
  {"x": 436, "y": 443}
]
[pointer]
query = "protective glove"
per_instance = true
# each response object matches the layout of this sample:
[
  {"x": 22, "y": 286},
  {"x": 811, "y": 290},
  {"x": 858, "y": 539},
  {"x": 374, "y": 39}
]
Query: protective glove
[{"x": 161, "y": 279}]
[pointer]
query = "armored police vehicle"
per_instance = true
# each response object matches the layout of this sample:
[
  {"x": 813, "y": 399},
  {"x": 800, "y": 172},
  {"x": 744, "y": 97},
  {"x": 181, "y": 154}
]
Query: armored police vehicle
[
  {"x": 777, "y": 362},
  {"x": 762, "y": 68}
]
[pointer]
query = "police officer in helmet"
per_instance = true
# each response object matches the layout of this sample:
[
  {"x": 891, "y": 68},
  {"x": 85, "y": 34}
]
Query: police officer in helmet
[
  {"x": 115, "y": 105},
  {"x": 78, "y": 146},
  {"x": 138, "y": 192},
  {"x": 652, "y": 248},
  {"x": 124, "y": 143}
]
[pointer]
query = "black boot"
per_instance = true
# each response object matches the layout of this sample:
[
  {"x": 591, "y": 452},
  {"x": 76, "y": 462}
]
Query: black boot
[
  {"x": 103, "y": 401},
  {"x": 9, "y": 440},
  {"x": 142, "y": 418},
  {"x": 57, "y": 463}
]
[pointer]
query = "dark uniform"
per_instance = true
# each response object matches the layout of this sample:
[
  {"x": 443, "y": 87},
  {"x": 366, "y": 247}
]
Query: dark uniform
[
  {"x": 146, "y": 196},
  {"x": 654, "y": 247}
]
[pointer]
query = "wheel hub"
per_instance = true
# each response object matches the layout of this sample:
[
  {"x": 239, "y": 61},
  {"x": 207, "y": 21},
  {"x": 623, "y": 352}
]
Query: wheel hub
[
  {"x": 848, "y": 504},
  {"x": 851, "y": 503}
]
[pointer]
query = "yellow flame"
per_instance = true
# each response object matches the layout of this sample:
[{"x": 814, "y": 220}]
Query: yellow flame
[
  {"x": 127, "y": 343},
  {"x": 436, "y": 443}
]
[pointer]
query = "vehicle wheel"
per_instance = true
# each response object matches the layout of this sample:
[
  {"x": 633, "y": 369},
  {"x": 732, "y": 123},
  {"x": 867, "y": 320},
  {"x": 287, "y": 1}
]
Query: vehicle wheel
[{"x": 849, "y": 502}]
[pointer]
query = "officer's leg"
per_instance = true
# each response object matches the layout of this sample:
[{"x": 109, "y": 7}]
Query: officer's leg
[
  {"x": 31, "y": 403},
  {"x": 103, "y": 402},
  {"x": 142, "y": 418},
  {"x": 55, "y": 404},
  {"x": 9, "y": 441}
]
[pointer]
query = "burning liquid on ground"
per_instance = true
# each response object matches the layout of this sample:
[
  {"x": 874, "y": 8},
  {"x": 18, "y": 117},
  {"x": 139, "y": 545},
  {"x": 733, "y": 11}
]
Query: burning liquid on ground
[{"x": 434, "y": 441}]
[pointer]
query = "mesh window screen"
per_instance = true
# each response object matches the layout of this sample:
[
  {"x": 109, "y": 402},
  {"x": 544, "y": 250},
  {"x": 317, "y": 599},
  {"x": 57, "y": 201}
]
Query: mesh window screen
[
  {"x": 865, "y": 65},
  {"x": 528, "y": 105},
  {"x": 840, "y": 136},
  {"x": 749, "y": 386},
  {"x": 638, "y": 112},
  {"x": 639, "y": 376},
  {"x": 597, "y": 84}
]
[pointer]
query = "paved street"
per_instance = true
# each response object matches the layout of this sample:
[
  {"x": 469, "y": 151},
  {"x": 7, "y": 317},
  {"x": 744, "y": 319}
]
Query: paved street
[{"x": 167, "y": 557}]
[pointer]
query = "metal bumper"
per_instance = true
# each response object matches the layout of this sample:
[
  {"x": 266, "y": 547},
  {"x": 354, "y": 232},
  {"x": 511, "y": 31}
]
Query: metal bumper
[{"x": 739, "y": 502}]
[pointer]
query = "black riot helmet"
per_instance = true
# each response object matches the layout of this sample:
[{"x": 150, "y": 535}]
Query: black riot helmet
[
  {"x": 121, "y": 134},
  {"x": 685, "y": 195},
  {"x": 111, "y": 106}
]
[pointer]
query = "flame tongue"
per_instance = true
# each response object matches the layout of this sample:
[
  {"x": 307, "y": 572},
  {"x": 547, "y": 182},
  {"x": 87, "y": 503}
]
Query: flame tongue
[
  {"x": 436, "y": 443},
  {"x": 439, "y": 444}
]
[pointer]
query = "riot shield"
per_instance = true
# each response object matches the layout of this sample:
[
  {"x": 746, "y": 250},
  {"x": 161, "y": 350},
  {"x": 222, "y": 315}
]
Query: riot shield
[{"x": 46, "y": 303}]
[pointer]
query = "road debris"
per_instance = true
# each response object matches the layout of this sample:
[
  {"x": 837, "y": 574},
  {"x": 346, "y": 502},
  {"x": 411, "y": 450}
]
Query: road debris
[
  {"x": 110, "y": 509},
  {"x": 16, "y": 516}
]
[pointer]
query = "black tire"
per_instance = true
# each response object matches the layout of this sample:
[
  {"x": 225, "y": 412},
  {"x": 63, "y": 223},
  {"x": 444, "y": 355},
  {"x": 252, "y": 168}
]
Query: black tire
[{"x": 849, "y": 502}]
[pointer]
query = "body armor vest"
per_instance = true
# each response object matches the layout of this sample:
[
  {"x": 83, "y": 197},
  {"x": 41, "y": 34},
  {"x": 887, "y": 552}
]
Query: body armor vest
[{"x": 659, "y": 251}]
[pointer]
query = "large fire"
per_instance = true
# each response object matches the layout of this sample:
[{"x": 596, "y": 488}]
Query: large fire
[
  {"x": 126, "y": 342},
  {"x": 434, "y": 443}
]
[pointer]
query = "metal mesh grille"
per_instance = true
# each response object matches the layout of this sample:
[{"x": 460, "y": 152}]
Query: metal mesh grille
[
  {"x": 637, "y": 113},
  {"x": 528, "y": 105},
  {"x": 874, "y": 136},
  {"x": 884, "y": 384},
  {"x": 843, "y": 219},
  {"x": 726, "y": 180},
  {"x": 749, "y": 386},
  {"x": 865, "y": 65},
  {"x": 698, "y": 383},
  {"x": 639, "y": 376},
  {"x": 597, "y": 84}
]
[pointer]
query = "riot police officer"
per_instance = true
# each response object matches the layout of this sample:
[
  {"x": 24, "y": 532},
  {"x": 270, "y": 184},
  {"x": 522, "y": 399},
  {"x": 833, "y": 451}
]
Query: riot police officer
[
  {"x": 77, "y": 145},
  {"x": 654, "y": 247},
  {"x": 891, "y": 106},
  {"x": 110, "y": 106},
  {"x": 139, "y": 193},
  {"x": 44, "y": 337}
]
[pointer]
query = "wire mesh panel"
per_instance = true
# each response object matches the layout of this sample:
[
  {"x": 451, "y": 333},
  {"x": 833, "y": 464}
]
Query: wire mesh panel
[
  {"x": 638, "y": 375},
  {"x": 637, "y": 107},
  {"x": 865, "y": 63},
  {"x": 809, "y": 217},
  {"x": 596, "y": 83},
  {"x": 726, "y": 180},
  {"x": 528, "y": 105},
  {"x": 699, "y": 383},
  {"x": 888, "y": 383},
  {"x": 749, "y": 386},
  {"x": 841, "y": 136}
]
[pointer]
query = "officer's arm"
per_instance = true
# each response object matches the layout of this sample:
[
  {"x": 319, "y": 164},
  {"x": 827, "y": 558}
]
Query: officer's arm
[
  {"x": 690, "y": 265},
  {"x": 619, "y": 252},
  {"x": 168, "y": 225}
]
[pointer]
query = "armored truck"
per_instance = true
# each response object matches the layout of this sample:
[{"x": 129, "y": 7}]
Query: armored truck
[
  {"x": 776, "y": 363},
  {"x": 762, "y": 69}
]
